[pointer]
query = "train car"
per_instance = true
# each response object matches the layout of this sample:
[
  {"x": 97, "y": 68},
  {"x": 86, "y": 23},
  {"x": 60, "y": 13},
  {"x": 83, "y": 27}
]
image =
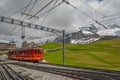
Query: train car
[{"x": 32, "y": 54}]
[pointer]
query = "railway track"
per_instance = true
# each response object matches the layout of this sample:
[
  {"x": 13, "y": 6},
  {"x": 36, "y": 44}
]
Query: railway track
[
  {"x": 7, "y": 73},
  {"x": 81, "y": 68},
  {"x": 74, "y": 72}
]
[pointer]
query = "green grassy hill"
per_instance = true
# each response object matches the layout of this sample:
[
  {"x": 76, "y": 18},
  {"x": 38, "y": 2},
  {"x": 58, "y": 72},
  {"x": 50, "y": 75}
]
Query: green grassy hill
[{"x": 102, "y": 54}]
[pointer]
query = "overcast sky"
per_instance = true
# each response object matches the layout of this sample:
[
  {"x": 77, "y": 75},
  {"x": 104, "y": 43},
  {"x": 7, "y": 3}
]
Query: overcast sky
[{"x": 62, "y": 17}]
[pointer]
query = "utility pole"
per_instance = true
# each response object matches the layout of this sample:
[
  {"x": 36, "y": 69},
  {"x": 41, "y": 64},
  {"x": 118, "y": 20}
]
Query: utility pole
[{"x": 63, "y": 46}]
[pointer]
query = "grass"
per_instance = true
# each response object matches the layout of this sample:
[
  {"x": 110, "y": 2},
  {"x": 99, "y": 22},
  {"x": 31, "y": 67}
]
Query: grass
[
  {"x": 102, "y": 54},
  {"x": 50, "y": 45}
]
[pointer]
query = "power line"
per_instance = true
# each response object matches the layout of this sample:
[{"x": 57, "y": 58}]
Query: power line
[
  {"x": 48, "y": 11},
  {"x": 51, "y": 9},
  {"x": 113, "y": 15},
  {"x": 26, "y": 7},
  {"x": 85, "y": 14},
  {"x": 47, "y": 14},
  {"x": 18, "y": 11},
  {"x": 112, "y": 21},
  {"x": 33, "y": 6},
  {"x": 28, "y": 14},
  {"x": 25, "y": 10},
  {"x": 29, "y": 4},
  {"x": 106, "y": 21},
  {"x": 93, "y": 8},
  {"x": 55, "y": 2},
  {"x": 42, "y": 8}
]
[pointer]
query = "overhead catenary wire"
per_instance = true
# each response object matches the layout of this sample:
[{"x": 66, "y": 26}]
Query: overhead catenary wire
[
  {"x": 105, "y": 21},
  {"x": 85, "y": 14},
  {"x": 45, "y": 13},
  {"x": 18, "y": 11},
  {"x": 74, "y": 7},
  {"x": 42, "y": 8},
  {"x": 93, "y": 8},
  {"x": 29, "y": 4},
  {"x": 55, "y": 4},
  {"x": 112, "y": 21},
  {"x": 113, "y": 15},
  {"x": 50, "y": 11},
  {"x": 26, "y": 7},
  {"x": 33, "y": 6},
  {"x": 109, "y": 20},
  {"x": 108, "y": 3}
]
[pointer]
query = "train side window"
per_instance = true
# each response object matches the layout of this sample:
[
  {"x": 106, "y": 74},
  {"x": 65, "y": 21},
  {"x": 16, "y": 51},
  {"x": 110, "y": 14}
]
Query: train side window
[
  {"x": 36, "y": 51},
  {"x": 9, "y": 52},
  {"x": 20, "y": 52},
  {"x": 27, "y": 52},
  {"x": 15, "y": 52},
  {"x": 39, "y": 51},
  {"x": 23, "y": 52}
]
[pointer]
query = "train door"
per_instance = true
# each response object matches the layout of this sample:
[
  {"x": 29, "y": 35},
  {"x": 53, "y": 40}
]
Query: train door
[{"x": 40, "y": 53}]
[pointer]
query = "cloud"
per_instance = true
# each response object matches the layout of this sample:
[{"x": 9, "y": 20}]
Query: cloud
[{"x": 63, "y": 17}]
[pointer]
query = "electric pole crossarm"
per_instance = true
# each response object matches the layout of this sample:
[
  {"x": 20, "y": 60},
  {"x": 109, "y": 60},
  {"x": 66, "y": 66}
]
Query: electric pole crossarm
[{"x": 26, "y": 24}]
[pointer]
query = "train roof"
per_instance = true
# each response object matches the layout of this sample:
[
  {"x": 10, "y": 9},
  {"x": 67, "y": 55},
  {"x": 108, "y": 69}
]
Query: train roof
[{"x": 25, "y": 49}]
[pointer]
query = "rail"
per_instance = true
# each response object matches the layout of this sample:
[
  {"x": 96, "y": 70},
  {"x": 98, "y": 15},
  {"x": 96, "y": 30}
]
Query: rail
[
  {"x": 76, "y": 73},
  {"x": 7, "y": 73}
]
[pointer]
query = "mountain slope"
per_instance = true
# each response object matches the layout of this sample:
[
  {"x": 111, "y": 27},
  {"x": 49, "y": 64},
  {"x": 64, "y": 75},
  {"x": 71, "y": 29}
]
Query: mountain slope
[{"x": 101, "y": 54}]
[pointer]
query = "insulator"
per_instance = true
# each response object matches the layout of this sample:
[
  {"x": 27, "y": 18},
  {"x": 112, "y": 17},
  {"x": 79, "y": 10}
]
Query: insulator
[
  {"x": 2, "y": 19},
  {"x": 12, "y": 21},
  {"x": 22, "y": 37},
  {"x": 21, "y": 23},
  {"x": 29, "y": 24},
  {"x": 36, "y": 26}
]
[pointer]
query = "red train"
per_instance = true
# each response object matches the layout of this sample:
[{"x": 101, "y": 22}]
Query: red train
[{"x": 32, "y": 54}]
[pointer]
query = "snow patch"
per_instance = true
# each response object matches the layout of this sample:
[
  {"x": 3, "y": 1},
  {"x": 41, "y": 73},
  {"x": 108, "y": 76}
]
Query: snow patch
[
  {"x": 109, "y": 32},
  {"x": 83, "y": 41}
]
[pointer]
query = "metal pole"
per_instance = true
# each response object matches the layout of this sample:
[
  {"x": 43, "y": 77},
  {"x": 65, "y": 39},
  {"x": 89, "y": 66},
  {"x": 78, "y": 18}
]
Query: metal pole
[{"x": 63, "y": 46}]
